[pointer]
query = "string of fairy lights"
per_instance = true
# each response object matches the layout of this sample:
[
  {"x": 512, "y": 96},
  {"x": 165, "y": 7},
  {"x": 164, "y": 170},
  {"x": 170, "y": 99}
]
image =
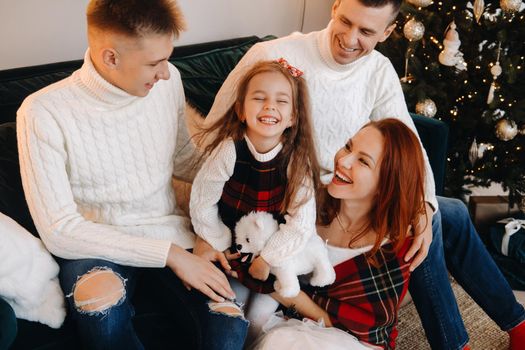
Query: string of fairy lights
[{"x": 450, "y": 54}]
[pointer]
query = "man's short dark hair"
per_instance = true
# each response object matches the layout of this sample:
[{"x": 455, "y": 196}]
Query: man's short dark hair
[
  {"x": 396, "y": 4},
  {"x": 136, "y": 17}
]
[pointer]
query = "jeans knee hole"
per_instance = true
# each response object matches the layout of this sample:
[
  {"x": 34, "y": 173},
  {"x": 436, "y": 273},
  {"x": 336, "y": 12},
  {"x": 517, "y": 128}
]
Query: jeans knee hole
[
  {"x": 98, "y": 290},
  {"x": 228, "y": 308}
]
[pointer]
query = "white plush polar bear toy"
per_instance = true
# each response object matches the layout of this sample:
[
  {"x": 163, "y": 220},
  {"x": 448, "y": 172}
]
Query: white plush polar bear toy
[
  {"x": 29, "y": 276},
  {"x": 251, "y": 233}
]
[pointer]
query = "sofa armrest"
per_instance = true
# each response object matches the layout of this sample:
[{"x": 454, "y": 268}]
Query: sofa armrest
[{"x": 434, "y": 136}]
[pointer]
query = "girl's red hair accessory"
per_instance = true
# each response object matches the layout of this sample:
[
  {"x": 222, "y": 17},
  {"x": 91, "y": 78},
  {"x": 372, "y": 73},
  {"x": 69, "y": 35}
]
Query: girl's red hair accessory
[{"x": 294, "y": 72}]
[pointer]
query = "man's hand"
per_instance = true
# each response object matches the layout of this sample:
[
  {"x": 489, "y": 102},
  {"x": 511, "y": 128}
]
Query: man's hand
[
  {"x": 200, "y": 274},
  {"x": 422, "y": 239},
  {"x": 259, "y": 269}
]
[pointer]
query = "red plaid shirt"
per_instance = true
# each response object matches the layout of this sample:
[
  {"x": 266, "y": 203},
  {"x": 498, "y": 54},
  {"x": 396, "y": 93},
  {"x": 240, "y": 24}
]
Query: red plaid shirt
[{"x": 364, "y": 300}]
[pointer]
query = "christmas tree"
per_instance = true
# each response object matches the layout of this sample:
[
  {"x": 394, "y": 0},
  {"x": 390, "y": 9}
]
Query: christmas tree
[{"x": 463, "y": 63}]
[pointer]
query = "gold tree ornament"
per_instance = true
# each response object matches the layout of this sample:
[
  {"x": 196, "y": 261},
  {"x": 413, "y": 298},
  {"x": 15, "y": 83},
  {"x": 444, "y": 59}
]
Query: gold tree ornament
[
  {"x": 479, "y": 8},
  {"x": 420, "y": 3},
  {"x": 426, "y": 107},
  {"x": 510, "y": 6},
  {"x": 496, "y": 71},
  {"x": 506, "y": 129},
  {"x": 413, "y": 30}
]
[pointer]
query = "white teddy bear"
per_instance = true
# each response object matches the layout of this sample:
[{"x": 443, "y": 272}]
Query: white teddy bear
[{"x": 251, "y": 233}]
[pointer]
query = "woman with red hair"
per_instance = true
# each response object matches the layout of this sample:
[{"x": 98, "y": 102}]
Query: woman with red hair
[{"x": 366, "y": 214}]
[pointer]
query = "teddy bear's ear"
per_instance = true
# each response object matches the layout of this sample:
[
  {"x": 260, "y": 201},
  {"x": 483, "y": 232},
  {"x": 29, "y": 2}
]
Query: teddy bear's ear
[{"x": 259, "y": 222}]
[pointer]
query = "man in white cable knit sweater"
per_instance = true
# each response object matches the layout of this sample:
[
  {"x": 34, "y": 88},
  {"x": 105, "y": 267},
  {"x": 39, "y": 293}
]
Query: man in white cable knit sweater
[
  {"x": 349, "y": 84},
  {"x": 97, "y": 154}
]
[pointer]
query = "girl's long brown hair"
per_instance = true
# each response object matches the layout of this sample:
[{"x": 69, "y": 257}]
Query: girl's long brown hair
[
  {"x": 299, "y": 151},
  {"x": 400, "y": 198}
]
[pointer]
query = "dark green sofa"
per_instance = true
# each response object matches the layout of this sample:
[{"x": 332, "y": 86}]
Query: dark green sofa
[{"x": 203, "y": 68}]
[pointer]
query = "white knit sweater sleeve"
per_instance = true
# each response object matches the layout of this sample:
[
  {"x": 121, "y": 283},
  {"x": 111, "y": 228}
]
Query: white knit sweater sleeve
[
  {"x": 65, "y": 232},
  {"x": 294, "y": 233},
  {"x": 185, "y": 149},
  {"x": 228, "y": 92},
  {"x": 390, "y": 103},
  {"x": 206, "y": 193}
]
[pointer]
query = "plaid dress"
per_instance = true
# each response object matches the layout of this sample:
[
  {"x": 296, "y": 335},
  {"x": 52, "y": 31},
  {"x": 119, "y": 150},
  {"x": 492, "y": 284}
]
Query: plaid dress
[
  {"x": 254, "y": 186},
  {"x": 364, "y": 300}
]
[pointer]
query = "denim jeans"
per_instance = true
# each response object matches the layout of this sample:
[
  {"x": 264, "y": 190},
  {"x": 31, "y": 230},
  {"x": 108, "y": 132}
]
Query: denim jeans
[
  {"x": 457, "y": 244},
  {"x": 7, "y": 325},
  {"x": 113, "y": 328}
]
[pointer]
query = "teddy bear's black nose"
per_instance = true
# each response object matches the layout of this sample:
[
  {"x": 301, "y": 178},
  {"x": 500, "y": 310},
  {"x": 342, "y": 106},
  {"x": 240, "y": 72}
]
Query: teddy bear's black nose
[{"x": 239, "y": 247}]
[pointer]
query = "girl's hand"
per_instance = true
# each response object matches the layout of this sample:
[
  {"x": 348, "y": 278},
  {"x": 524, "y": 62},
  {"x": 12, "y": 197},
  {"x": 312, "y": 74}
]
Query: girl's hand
[
  {"x": 231, "y": 256},
  {"x": 200, "y": 274},
  {"x": 206, "y": 251},
  {"x": 259, "y": 269}
]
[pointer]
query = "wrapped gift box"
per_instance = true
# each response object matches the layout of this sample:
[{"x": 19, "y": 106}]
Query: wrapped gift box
[
  {"x": 509, "y": 254},
  {"x": 486, "y": 210},
  {"x": 514, "y": 246}
]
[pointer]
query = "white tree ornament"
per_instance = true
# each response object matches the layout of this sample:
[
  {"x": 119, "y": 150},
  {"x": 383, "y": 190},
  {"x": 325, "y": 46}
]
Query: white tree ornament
[{"x": 451, "y": 56}]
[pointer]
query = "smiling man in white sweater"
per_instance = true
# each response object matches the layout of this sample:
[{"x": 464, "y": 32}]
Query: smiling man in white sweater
[
  {"x": 97, "y": 154},
  {"x": 349, "y": 84}
]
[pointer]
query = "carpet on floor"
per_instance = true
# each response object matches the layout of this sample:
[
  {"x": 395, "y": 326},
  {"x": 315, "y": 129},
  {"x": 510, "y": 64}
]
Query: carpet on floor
[{"x": 483, "y": 333}]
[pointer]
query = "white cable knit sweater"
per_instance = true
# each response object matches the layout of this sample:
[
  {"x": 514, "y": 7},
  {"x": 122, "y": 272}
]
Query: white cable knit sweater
[
  {"x": 343, "y": 97},
  {"x": 206, "y": 192},
  {"x": 96, "y": 166}
]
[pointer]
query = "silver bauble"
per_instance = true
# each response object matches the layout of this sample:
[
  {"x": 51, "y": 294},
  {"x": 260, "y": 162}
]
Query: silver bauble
[
  {"x": 426, "y": 107},
  {"x": 413, "y": 30},
  {"x": 420, "y": 3},
  {"x": 510, "y": 5},
  {"x": 506, "y": 129}
]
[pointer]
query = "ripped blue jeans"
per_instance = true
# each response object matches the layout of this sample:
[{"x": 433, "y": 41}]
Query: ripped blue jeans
[{"x": 109, "y": 324}]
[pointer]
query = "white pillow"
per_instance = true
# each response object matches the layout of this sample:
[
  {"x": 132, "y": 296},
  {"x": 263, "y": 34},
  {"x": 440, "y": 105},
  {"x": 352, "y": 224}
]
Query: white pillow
[{"x": 29, "y": 276}]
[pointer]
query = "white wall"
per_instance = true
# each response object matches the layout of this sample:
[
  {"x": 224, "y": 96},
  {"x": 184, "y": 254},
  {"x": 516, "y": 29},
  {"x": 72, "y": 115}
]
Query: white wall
[{"x": 44, "y": 31}]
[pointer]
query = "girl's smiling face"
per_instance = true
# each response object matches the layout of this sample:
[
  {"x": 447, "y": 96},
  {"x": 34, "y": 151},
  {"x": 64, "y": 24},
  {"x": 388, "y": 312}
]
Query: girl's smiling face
[
  {"x": 267, "y": 109},
  {"x": 357, "y": 166}
]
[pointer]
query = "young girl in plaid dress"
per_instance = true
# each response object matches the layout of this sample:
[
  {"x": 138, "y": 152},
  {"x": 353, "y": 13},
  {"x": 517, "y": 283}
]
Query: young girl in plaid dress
[
  {"x": 366, "y": 214},
  {"x": 261, "y": 157}
]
